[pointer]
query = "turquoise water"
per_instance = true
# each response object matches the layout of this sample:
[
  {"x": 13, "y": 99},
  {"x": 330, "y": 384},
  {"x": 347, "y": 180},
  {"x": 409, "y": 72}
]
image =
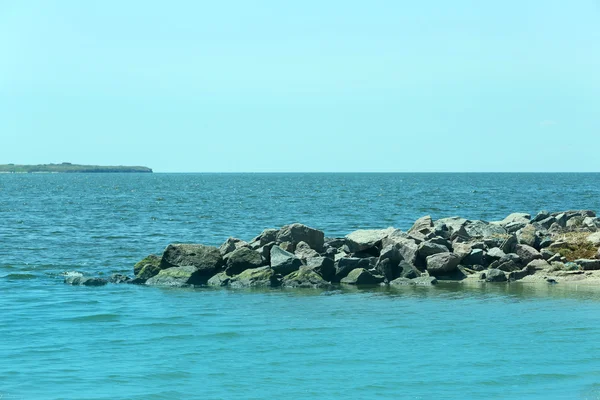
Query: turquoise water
[{"x": 124, "y": 341}]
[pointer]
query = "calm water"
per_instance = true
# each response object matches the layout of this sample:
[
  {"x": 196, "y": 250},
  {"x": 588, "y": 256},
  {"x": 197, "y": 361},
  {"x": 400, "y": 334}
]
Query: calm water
[{"x": 123, "y": 341}]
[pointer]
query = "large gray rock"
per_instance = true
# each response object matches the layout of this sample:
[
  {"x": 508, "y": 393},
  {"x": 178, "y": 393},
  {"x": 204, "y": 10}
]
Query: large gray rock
[
  {"x": 542, "y": 215},
  {"x": 220, "y": 279},
  {"x": 527, "y": 253},
  {"x": 255, "y": 278},
  {"x": 483, "y": 229},
  {"x": 442, "y": 264},
  {"x": 296, "y": 233},
  {"x": 406, "y": 270},
  {"x": 241, "y": 259},
  {"x": 594, "y": 239},
  {"x": 343, "y": 266},
  {"x": 361, "y": 276},
  {"x": 528, "y": 235},
  {"x": 283, "y": 262},
  {"x": 538, "y": 265},
  {"x": 305, "y": 278},
  {"x": 494, "y": 254},
  {"x": 147, "y": 272},
  {"x": 323, "y": 266},
  {"x": 423, "y": 225},
  {"x": 365, "y": 239},
  {"x": 476, "y": 257},
  {"x": 451, "y": 225},
  {"x": 230, "y": 245},
  {"x": 80, "y": 280},
  {"x": 119, "y": 278},
  {"x": 427, "y": 249},
  {"x": 303, "y": 251},
  {"x": 152, "y": 259},
  {"x": 588, "y": 264},
  {"x": 495, "y": 275},
  {"x": 407, "y": 247},
  {"x": 266, "y": 236},
  {"x": 424, "y": 281},
  {"x": 206, "y": 259},
  {"x": 178, "y": 277},
  {"x": 523, "y": 218}
]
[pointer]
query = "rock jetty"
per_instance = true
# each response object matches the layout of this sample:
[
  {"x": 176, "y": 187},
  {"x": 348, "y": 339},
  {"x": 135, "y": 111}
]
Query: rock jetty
[{"x": 548, "y": 247}]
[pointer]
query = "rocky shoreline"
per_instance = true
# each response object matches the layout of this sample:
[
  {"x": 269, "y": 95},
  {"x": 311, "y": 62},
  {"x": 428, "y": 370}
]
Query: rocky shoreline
[{"x": 558, "y": 247}]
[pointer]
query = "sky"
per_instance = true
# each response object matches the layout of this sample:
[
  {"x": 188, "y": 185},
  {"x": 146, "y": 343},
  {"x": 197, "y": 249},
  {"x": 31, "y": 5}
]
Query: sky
[{"x": 302, "y": 86}]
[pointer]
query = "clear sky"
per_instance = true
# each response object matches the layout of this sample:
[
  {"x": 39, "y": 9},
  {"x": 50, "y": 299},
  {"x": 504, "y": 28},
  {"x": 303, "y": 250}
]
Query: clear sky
[{"x": 338, "y": 85}]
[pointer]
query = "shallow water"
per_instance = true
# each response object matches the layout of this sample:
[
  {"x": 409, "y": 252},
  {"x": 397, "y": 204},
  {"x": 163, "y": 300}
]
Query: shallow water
[{"x": 123, "y": 341}]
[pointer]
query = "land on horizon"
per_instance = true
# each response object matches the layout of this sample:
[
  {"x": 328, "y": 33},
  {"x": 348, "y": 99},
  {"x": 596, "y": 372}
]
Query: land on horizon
[{"x": 66, "y": 167}]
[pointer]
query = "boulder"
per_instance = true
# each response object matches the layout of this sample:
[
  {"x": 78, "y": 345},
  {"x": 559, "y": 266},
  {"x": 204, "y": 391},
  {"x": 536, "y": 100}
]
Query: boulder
[
  {"x": 451, "y": 224},
  {"x": 427, "y": 249},
  {"x": 206, "y": 259},
  {"x": 494, "y": 254},
  {"x": 528, "y": 235},
  {"x": 323, "y": 266},
  {"x": 266, "y": 236},
  {"x": 147, "y": 272},
  {"x": 462, "y": 249},
  {"x": 364, "y": 239},
  {"x": 391, "y": 253},
  {"x": 336, "y": 243},
  {"x": 424, "y": 281},
  {"x": 591, "y": 223},
  {"x": 520, "y": 274},
  {"x": 509, "y": 243},
  {"x": 265, "y": 252},
  {"x": 303, "y": 251},
  {"x": 475, "y": 257},
  {"x": 230, "y": 245},
  {"x": 588, "y": 264},
  {"x": 519, "y": 218},
  {"x": 361, "y": 276},
  {"x": 296, "y": 233},
  {"x": 594, "y": 239},
  {"x": 386, "y": 269},
  {"x": 79, "y": 280},
  {"x": 495, "y": 275},
  {"x": 152, "y": 259},
  {"x": 407, "y": 247},
  {"x": 442, "y": 264},
  {"x": 527, "y": 253},
  {"x": 119, "y": 278},
  {"x": 547, "y": 223},
  {"x": 401, "y": 282},
  {"x": 343, "y": 266},
  {"x": 178, "y": 277},
  {"x": 256, "y": 277},
  {"x": 575, "y": 223},
  {"x": 423, "y": 225},
  {"x": 220, "y": 279},
  {"x": 283, "y": 262},
  {"x": 305, "y": 278},
  {"x": 241, "y": 259},
  {"x": 538, "y": 265},
  {"x": 506, "y": 265},
  {"x": 547, "y": 254},
  {"x": 406, "y": 270},
  {"x": 542, "y": 215}
]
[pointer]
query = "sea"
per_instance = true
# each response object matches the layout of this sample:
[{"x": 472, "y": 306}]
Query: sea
[{"x": 489, "y": 341}]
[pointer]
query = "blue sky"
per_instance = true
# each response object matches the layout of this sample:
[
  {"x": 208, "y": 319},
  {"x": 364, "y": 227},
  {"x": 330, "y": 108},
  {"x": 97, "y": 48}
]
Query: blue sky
[{"x": 196, "y": 86}]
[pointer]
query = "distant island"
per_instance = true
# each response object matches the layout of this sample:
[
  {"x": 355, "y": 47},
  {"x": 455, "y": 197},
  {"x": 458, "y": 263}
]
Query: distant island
[{"x": 68, "y": 168}]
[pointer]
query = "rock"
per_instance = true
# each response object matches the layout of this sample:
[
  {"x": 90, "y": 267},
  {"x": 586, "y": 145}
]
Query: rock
[
  {"x": 520, "y": 274},
  {"x": 283, "y": 262},
  {"x": 561, "y": 220},
  {"x": 391, "y": 253},
  {"x": 364, "y": 239},
  {"x": 323, "y": 266},
  {"x": 598, "y": 254},
  {"x": 407, "y": 270},
  {"x": 241, "y": 259},
  {"x": 220, "y": 279},
  {"x": 538, "y": 265},
  {"x": 527, "y": 253},
  {"x": 495, "y": 275},
  {"x": 528, "y": 235},
  {"x": 451, "y": 224},
  {"x": 266, "y": 236},
  {"x": 230, "y": 245},
  {"x": 401, "y": 282},
  {"x": 265, "y": 252},
  {"x": 344, "y": 265},
  {"x": 594, "y": 239},
  {"x": 494, "y": 254},
  {"x": 509, "y": 243},
  {"x": 287, "y": 246},
  {"x": 78, "y": 280},
  {"x": 178, "y": 277},
  {"x": 547, "y": 254},
  {"x": 148, "y": 272},
  {"x": 427, "y": 249},
  {"x": 206, "y": 259},
  {"x": 424, "y": 281},
  {"x": 303, "y": 251},
  {"x": 406, "y": 247},
  {"x": 542, "y": 215},
  {"x": 442, "y": 264},
  {"x": 360, "y": 276},
  {"x": 151, "y": 259},
  {"x": 523, "y": 218},
  {"x": 483, "y": 229},
  {"x": 506, "y": 265},
  {"x": 119, "y": 278},
  {"x": 476, "y": 257},
  {"x": 336, "y": 243},
  {"x": 462, "y": 249},
  {"x": 256, "y": 277},
  {"x": 305, "y": 278},
  {"x": 515, "y": 226},
  {"x": 547, "y": 223},
  {"x": 588, "y": 264},
  {"x": 591, "y": 223},
  {"x": 574, "y": 223},
  {"x": 546, "y": 242},
  {"x": 296, "y": 233},
  {"x": 423, "y": 225}
]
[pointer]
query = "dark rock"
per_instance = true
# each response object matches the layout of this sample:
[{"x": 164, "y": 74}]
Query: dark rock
[
  {"x": 452, "y": 224},
  {"x": 407, "y": 270},
  {"x": 151, "y": 259},
  {"x": 509, "y": 243},
  {"x": 220, "y": 279},
  {"x": 442, "y": 264},
  {"x": 527, "y": 253},
  {"x": 427, "y": 249},
  {"x": 506, "y": 265},
  {"x": 323, "y": 266},
  {"x": 361, "y": 276},
  {"x": 364, "y": 239},
  {"x": 494, "y": 254},
  {"x": 561, "y": 219},
  {"x": 334, "y": 242},
  {"x": 206, "y": 259},
  {"x": 547, "y": 223},
  {"x": 406, "y": 247},
  {"x": 266, "y": 236},
  {"x": 119, "y": 278},
  {"x": 283, "y": 262},
  {"x": 78, "y": 280},
  {"x": 495, "y": 275},
  {"x": 542, "y": 215},
  {"x": 303, "y": 251},
  {"x": 423, "y": 225},
  {"x": 546, "y": 242},
  {"x": 401, "y": 282},
  {"x": 178, "y": 277},
  {"x": 265, "y": 252},
  {"x": 305, "y": 278},
  {"x": 520, "y": 274},
  {"x": 230, "y": 245},
  {"x": 476, "y": 257},
  {"x": 343, "y": 266},
  {"x": 296, "y": 233},
  {"x": 547, "y": 254},
  {"x": 241, "y": 259},
  {"x": 588, "y": 264},
  {"x": 528, "y": 235},
  {"x": 148, "y": 272},
  {"x": 424, "y": 281},
  {"x": 256, "y": 277}
]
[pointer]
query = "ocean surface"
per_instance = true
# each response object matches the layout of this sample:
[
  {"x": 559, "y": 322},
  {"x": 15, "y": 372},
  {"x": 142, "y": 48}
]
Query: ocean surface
[{"x": 493, "y": 341}]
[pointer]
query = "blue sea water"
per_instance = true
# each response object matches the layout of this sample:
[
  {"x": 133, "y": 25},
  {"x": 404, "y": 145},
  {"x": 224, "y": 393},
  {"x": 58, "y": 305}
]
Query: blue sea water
[{"x": 493, "y": 341}]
